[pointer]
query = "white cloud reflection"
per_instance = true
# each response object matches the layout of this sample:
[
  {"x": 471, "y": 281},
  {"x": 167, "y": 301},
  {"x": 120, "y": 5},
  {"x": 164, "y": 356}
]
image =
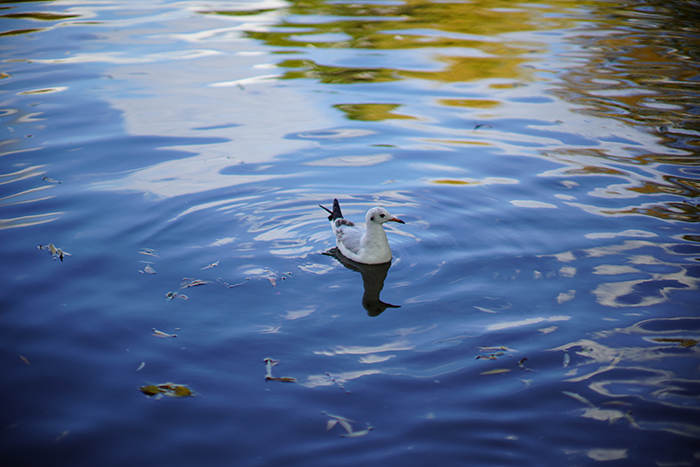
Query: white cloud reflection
[{"x": 526, "y": 322}]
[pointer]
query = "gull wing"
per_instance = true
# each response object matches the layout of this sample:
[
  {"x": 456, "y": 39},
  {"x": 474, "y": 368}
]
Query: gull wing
[{"x": 348, "y": 235}]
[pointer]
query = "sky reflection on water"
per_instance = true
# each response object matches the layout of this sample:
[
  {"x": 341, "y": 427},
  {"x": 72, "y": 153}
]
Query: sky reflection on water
[{"x": 543, "y": 156}]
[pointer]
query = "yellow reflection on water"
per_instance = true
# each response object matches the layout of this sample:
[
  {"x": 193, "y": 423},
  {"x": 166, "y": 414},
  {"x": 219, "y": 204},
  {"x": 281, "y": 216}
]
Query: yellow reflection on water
[
  {"x": 372, "y": 112},
  {"x": 472, "y": 28}
]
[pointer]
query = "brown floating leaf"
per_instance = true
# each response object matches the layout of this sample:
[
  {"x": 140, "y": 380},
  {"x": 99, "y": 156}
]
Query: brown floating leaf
[
  {"x": 269, "y": 363},
  {"x": 685, "y": 343},
  {"x": 150, "y": 390},
  {"x": 24, "y": 359},
  {"x": 284, "y": 379},
  {"x": 166, "y": 389}
]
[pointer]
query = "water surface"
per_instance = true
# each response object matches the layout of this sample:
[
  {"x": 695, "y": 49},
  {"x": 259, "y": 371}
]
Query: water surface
[{"x": 542, "y": 154}]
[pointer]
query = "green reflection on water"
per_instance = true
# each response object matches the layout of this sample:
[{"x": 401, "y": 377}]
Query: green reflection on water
[{"x": 411, "y": 25}]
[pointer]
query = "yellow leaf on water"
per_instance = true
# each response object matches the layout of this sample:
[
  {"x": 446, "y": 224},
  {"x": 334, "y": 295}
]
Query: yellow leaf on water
[
  {"x": 150, "y": 390},
  {"x": 166, "y": 389},
  {"x": 175, "y": 390},
  {"x": 497, "y": 371}
]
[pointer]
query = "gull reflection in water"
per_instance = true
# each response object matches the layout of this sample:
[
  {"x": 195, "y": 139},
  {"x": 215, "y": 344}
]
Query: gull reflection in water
[{"x": 373, "y": 276}]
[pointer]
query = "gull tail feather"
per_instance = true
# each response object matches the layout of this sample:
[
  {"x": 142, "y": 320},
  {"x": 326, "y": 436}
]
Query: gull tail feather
[{"x": 335, "y": 213}]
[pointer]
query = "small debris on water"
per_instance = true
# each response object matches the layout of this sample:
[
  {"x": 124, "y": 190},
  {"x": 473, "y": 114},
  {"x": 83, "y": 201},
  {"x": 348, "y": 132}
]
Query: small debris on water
[{"x": 269, "y": 363}]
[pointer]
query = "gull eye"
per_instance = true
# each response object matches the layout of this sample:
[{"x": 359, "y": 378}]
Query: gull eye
[
  {"x": 382, "y": 216},
  {"x": 371, "y": 218}
]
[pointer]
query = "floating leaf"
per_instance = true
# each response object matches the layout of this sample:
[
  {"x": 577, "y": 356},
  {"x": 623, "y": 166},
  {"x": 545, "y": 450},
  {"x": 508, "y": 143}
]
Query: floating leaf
[
  {"x": 331, "y": 423},
  {"x": 158, "y": 333},
  {"x": 143, "y": 364},
  {"x": 273, "y": 281},
  {"x": 211, "y": 265},
  {"x": 492, "y": 356},
  {"x": 337, "y": 417},
  {"x": 269, "y": 363},
  {"x": 567, "y": 359},
  {"x": 24, "y": 359},
  {"x": 346, "y": 424},
  {"x": 149, "y": 252},
  {"x": 50, "y": 180},
  {"x": 497, "y": 371},
  {"x": 188, "y": 282},
  {"x": 171, "y": 295},
  {"x": 283, "y": 379},
  {"x": 149, "y": 270},
  {"x": 685, "y": 343},
  {"x": 150, "y": 390},
  {"x": 166, "y": 389}
]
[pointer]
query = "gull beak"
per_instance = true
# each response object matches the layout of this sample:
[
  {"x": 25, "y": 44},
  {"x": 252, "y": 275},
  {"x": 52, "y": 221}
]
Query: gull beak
[{"x": 396, "y": 219}]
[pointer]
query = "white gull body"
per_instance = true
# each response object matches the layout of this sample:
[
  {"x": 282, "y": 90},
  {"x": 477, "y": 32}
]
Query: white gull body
[{"x": 367, "y": 245}]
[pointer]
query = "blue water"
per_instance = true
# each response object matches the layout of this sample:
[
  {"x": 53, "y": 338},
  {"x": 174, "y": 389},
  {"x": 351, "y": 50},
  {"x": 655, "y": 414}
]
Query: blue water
[{"x": 543, "y": 155}]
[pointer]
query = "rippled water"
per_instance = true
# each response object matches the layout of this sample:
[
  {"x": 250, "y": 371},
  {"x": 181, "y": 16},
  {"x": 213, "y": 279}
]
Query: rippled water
[{"x": 544, "y": 156}]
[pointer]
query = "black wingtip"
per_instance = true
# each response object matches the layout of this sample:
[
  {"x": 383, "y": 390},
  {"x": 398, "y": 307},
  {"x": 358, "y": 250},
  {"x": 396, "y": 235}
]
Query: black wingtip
[{"x": 335, "y": 213}]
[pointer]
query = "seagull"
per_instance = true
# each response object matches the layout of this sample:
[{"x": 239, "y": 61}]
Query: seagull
[{"x": 365, "y": 246}]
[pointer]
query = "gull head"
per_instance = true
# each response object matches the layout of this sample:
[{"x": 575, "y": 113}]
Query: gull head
[{"x": 380, "y": 215}]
